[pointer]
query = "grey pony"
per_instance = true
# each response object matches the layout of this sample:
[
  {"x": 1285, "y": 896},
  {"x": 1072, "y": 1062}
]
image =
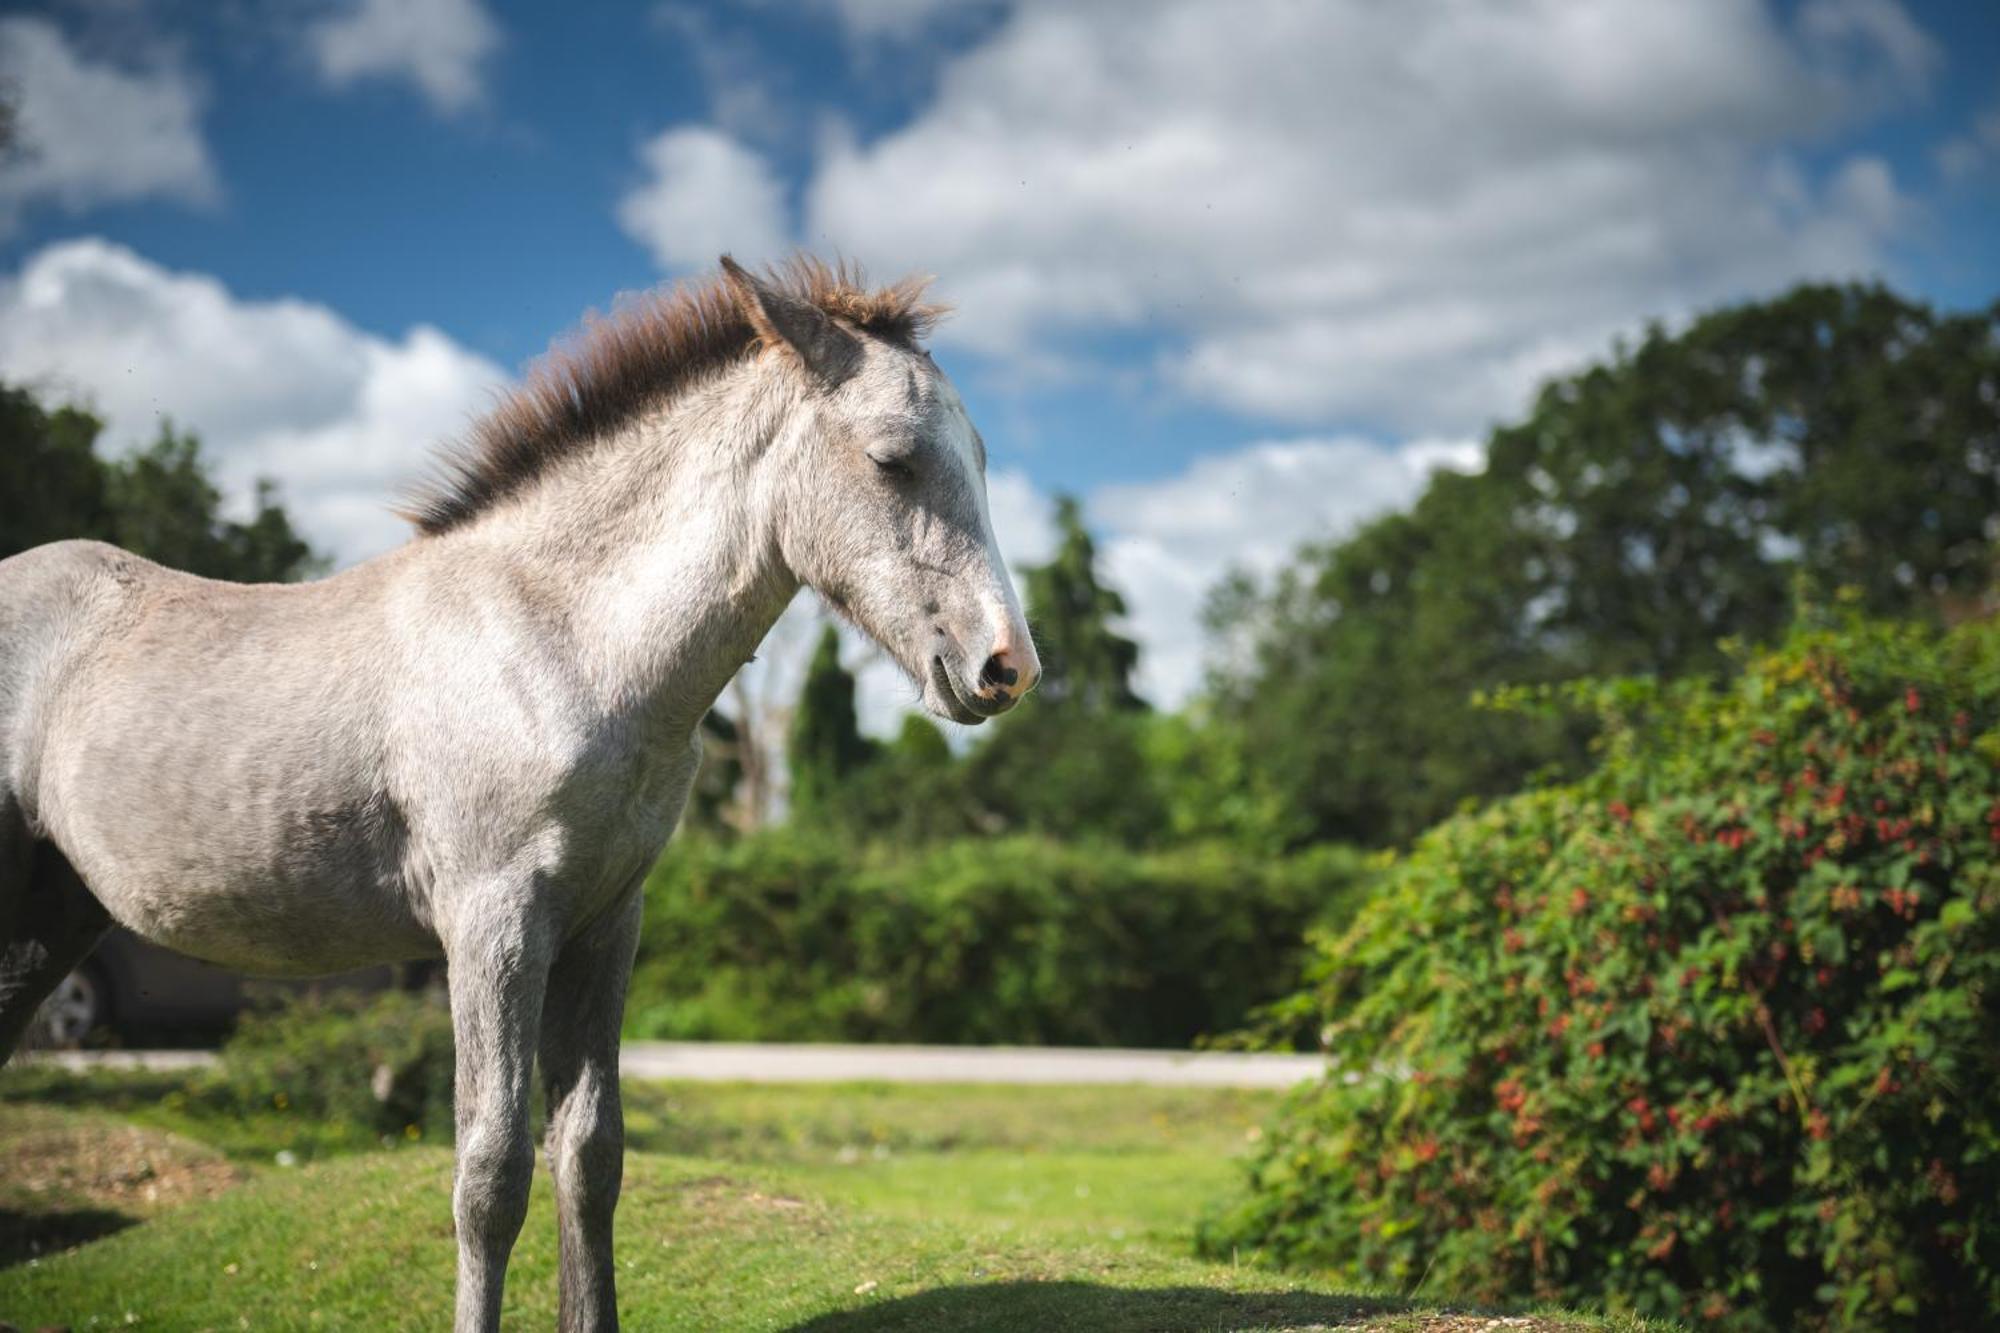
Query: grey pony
[{"x": 475, "y": 745}]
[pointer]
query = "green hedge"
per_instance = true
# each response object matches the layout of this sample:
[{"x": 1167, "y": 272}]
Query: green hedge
[
  {"x": 1714, "y": 1035},
  {"x": 375, "y": 1064},
  {"x": 789, "y": 936}
]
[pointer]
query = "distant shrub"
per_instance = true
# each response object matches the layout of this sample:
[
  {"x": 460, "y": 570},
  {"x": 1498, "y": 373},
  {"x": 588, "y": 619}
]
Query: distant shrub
[
  {"x": 380, "y": 1063},
  {"x": 798, "y": 936},
  {"x": 1712, "y": 1035}
]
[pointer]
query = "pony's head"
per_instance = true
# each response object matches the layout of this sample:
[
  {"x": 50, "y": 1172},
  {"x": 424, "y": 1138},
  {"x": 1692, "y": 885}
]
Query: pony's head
[{"x": 885, "y": 512}]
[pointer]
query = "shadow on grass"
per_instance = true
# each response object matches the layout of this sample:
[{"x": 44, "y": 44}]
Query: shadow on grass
[
  {"x": 1086, "y": 1305},
  {"x": 25, "y": 1236}
]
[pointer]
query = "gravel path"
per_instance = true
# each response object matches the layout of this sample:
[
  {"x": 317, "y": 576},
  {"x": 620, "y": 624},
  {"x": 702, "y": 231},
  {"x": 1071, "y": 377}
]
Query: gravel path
[
  {"x": 755, "y": 1062},
  {"x": 774, "y": 1063}
]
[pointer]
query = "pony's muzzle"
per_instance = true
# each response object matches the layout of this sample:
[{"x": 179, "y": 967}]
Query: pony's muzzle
[
  {"x": 1010, "y": 670},
  {"x": 1005, "y": 678}
]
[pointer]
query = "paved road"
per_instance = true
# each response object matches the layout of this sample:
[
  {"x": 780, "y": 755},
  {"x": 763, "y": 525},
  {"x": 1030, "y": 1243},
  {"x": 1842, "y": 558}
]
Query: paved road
[{"x": 745, "y": 1062}]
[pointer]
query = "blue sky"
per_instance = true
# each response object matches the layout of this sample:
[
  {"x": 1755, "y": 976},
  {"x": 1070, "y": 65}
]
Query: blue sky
[{"x": 1239, "y": 274}]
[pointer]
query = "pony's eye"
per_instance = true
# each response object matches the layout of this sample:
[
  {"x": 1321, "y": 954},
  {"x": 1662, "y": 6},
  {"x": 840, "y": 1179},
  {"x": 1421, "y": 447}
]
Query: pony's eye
[{"x": 893, "y": 467}]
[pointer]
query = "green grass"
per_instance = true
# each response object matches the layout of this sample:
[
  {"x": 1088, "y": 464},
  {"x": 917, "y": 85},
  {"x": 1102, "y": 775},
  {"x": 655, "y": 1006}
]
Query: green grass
[{"x": 851, "y": 1208}]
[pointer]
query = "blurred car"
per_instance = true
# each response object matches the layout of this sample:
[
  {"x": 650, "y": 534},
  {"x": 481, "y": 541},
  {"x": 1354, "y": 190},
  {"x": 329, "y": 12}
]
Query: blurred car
[{"x": 129, "y": 987}]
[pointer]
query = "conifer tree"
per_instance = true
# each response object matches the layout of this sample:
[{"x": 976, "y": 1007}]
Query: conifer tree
[
  {"x": 827, "y": 747},
  {"x": 1085, "y": 662}
]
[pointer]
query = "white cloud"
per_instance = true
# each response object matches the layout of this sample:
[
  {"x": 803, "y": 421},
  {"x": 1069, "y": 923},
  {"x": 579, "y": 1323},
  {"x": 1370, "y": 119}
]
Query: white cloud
[
  {"x": 1167, "y": 543},
  {"x": 1867, "y": 196},
  {"x": 1023, "y": 519},
  {"x": 442, "y": 47},
  {"x": 287, "y": 389},
  {"x": 1254, "y": 505},
  {"x": 1394, "y": 215},
  {"x": 91, "y": 132},
  {"x": 705, "y": 193},
  {"x": 900, "y": 20},
  {"x": 743, "y": 98},
  {"x": 1965, "y": 155},
  {"x": 1881, "y": 28}
]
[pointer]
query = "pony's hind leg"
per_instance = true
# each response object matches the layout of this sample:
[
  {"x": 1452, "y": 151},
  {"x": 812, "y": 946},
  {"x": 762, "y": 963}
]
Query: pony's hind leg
[
  {"x": 48, "y": 922},
  {"x": 586, "y": 1134}
]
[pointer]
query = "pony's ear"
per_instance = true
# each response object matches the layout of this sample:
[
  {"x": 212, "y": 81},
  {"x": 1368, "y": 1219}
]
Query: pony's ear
[{"x": 781, "y": 320}]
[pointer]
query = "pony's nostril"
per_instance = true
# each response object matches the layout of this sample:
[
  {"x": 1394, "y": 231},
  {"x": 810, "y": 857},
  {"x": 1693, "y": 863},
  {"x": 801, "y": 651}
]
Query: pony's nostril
[{"x": 997, "y": 672}]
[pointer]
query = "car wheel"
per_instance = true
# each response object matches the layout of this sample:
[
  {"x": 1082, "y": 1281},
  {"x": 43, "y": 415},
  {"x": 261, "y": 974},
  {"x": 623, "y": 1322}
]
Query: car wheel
[{"x": 74, "y": 1009}]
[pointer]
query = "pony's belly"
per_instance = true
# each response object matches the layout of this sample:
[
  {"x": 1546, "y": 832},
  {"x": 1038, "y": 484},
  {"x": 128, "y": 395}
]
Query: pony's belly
[
  {"x": 268, "y": 926},
  {"x": 271, "y": 899},
  {"x": 300, "y": 933}
]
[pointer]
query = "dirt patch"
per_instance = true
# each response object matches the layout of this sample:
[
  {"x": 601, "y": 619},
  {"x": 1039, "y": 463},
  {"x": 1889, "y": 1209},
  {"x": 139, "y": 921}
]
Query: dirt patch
[
  {"x": 719, "y": 1190},
  {"x": 65, "y": 1181},
  {"x": 720, "y": 1201},
  {"x": 1469, "y": 1323},
  {"x": 125, "y": 1168}
]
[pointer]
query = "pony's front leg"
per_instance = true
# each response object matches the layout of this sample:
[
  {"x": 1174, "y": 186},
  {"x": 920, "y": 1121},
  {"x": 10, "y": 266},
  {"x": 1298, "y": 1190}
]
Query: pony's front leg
[
  {"x": 499, "y": 965},
  {"x": 586, "y": 1134}
]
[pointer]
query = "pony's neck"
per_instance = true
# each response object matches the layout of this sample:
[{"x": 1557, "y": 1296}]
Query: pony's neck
[{"x": 659, "y": 548}]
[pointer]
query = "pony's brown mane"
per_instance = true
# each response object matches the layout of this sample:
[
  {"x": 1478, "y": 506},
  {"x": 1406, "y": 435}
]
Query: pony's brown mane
[{"x": 614, "y": 368}]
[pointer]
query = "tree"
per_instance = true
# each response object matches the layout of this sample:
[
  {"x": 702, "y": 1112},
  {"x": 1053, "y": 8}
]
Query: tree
[
  {"x": 165, "y": 507},
  {"x": 827, "y": 747},
  {"x": 51, "y": 479},
  {"x": 1646, "y": 510},
  {"x": 1072, "y": 761},
  {"x": 911, "y": 790},
  {"x": 919, "y": 746},
  {"x": 159, "y": 502},
  {"x": 1085, "y": 661},
  {"x": 715, "y": 797}
]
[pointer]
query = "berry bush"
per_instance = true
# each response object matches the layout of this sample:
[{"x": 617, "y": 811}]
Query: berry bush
[{"x": 1713, "y": 1034}]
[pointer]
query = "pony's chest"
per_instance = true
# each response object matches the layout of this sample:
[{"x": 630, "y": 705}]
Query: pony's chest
[{"x": 624, "y": 809}]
